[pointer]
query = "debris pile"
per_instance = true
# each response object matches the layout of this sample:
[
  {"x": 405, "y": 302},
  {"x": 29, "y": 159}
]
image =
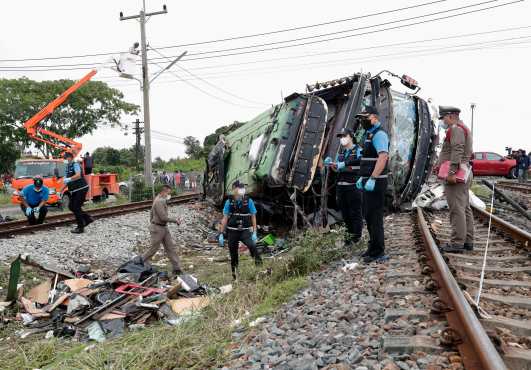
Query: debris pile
[{"x": 93, "y": 306}]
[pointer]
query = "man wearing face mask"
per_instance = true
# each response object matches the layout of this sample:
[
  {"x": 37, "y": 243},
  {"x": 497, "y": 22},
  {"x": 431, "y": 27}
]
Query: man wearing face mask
[
  {"x": 349, "y": 198},
  {"x": 78, "y": 189},
  {"x": 239, "y": 219},
  {"x": 158, "y": 229},
  {"x": 373, "y": 169},
  {"x": 457, "y": 148},
  {"x": 34, "y": 198}
]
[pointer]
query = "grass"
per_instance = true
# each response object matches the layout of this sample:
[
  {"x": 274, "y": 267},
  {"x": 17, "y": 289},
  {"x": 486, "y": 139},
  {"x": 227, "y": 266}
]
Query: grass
[
  {"x": 480, "y": 190},
  {"x": 5, "y": 198},
  {"x": 203, "y": 341}
]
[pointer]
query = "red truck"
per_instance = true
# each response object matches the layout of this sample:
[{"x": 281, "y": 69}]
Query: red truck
[{"x": 492, "y": 164}]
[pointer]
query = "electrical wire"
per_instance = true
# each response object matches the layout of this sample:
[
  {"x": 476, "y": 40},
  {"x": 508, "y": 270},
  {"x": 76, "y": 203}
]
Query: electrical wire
[
  {"x": 389, "y": 56},
  {"x": 237, "y": 37},
  {"x": 189, "y": 83},
  {"x": 209, "y": 83},
  {"x": 187, "y": 58}
]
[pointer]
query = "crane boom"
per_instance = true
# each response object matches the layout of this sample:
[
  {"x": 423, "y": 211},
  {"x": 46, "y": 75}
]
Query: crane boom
[{"x": 61, "y": 142}]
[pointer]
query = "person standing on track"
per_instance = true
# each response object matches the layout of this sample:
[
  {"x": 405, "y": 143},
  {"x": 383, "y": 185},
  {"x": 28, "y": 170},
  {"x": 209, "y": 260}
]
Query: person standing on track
[
  {"x": 457, "y": 149},
  {"x": 158, "y": 229},
  {"x": 33, "y": 201},
  {"x": 78, "y": 189},
  {"x": 239, "y": 218},
  {"x": 349, "y": 197},
  {"x": 373, "y": 169}
]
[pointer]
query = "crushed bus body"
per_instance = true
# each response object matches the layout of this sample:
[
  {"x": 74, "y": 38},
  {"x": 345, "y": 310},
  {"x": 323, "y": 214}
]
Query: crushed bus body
[{"x": 279, "y": 154}]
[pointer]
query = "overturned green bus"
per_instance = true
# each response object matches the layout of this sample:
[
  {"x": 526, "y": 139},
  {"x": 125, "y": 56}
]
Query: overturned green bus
[{"x": 279, "y": 153}]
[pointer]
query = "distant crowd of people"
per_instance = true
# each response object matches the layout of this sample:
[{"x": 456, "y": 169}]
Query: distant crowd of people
[{"x": 178, "y": 179}]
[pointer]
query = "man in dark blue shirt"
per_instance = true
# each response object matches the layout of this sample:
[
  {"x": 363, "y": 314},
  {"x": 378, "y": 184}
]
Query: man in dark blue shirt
[
  {"x": 239, "y": 219},
  {"x": 523, "y": 166},
  {"x": 34, "y": 198},
  {"x": 373, "y": 182}
]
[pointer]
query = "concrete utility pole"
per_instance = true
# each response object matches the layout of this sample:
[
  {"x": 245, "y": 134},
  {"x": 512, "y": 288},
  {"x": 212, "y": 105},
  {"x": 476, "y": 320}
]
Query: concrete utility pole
[
  {"x": 472, "y": 107},
  {"x": 138, "y": 133},
  {"x": 145, "y": 87}
]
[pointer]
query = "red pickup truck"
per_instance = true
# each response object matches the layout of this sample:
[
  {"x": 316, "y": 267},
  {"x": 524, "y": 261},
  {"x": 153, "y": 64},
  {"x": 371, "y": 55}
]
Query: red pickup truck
[{"x": 492, "y": 164}]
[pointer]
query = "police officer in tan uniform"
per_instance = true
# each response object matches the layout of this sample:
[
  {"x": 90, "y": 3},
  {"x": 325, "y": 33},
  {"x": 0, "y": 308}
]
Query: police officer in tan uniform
[
  {"x": 457, "y": 148},
  {"x": 159, "y": 230}
]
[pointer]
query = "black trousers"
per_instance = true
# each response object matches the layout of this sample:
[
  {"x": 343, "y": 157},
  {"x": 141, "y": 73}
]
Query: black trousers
[
  {"x": 244, "y": 236},
  {"x": 88, "y": 170},
  {"x": 36, "y": 220},
  {"x": 373, "y": 211},
  {"x": 77, "y": 198},
  {"x": 349, "y": 199}
]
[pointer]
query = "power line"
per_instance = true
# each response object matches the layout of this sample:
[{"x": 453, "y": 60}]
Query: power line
[
  {"x": 344, "y": 31},
  {"x": 357, "y": 34},
  {"x": 304, "y": 38},
  {"x": 206, "y": 92},
  {"x": 422, "y": 52},
  {"x": 209, "y": 83},
  {"x": 236, "y": 37}
]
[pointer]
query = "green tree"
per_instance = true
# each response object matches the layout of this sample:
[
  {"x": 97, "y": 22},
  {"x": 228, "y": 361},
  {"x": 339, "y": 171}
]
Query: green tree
[
  {"x": 212, "y": 139},
  {"x": 193, "y": 147},
  {"x": 9, "y": 154},
  {"x": 92, "y": 105}
]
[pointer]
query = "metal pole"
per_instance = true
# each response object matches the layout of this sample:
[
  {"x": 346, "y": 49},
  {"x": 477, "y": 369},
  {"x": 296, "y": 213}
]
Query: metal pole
[{"x": 472, "y": 106}]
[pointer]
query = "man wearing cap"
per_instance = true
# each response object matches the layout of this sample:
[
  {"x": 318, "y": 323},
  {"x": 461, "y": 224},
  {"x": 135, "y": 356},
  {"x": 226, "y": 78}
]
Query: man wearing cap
[
  {"x": 34, "y": 197},
  {"x": 373, "y": 182},
  {"x": 349, "y": 197},
  {"x": 457, "y": 148},
  {"x": 78, "y": 189},
  {"x": 159, "y": 231},
  {"x": 239, "y": 219}
]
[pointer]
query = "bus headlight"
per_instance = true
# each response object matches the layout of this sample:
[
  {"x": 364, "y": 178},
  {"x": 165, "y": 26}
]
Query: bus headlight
[
  {"x": 52, "y": 191},
  {"x": 16, "y": 192}
]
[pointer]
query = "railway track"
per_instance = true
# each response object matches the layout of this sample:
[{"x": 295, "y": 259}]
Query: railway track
[
  {"x": 505, "y": 296},
  {"x": 9, "y": 229},
  {"x": 515, "y": 186}
]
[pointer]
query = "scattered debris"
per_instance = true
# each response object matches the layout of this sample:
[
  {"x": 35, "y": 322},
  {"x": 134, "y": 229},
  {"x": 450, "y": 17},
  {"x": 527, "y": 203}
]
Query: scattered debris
[
  {"x": 349, "y": 266},
  {"x": 90, "y": 307},
  {"x": 256, "y": 322}
]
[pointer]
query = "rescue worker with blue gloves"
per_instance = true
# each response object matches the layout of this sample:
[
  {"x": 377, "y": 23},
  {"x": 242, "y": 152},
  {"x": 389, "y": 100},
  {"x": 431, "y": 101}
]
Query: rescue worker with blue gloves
[
  {"x": 34, "y": 197},
  {"x": 78, "y": 189},
  {"x": 239, "y": 220},
  {"x": 349, "y": 197},
  {"x": 373, "y": 182}
]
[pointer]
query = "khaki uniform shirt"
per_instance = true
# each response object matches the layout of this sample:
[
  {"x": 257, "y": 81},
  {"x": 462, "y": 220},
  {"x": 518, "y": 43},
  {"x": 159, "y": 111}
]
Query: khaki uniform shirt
[
  {"x": 159, "y": 212},
  {"x": 458, "y": 149}
]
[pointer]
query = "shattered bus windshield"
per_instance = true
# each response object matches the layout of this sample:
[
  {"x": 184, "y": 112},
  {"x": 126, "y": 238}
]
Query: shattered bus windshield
[
  {"x": 403, "y": 138},
  {"x": 42, "y": 168}
]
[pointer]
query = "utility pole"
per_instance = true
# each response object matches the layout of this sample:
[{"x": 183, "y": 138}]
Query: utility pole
[
  {"x": 138, "y": 134},
  {"x": 472, "y": 107},
  {"x": 145, "y": 87}
]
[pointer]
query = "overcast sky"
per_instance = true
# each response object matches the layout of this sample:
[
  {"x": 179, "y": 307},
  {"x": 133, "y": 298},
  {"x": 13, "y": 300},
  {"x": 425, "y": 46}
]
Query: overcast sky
[{"x": 489, "y": 69}]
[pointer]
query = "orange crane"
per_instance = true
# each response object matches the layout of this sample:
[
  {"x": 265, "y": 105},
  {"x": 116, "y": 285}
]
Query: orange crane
[
  {"x": 52, "y": 170},
  {"x": 38, "y": 133}
]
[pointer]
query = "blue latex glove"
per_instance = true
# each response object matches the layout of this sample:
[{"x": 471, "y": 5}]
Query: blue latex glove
[
  {"x": 254, "y": 237},
  {"x": 327, "y": 161},
  {"x": 28, "y": 211},
  {"x": 359, "y": 183},
  {"x": 369, "y": 185},
  {"x": 67, "y": 180},
  {"x": 340, "y": 165},
  {"x": 221, "y": 240},
  {"x": 36, "y": 209}
]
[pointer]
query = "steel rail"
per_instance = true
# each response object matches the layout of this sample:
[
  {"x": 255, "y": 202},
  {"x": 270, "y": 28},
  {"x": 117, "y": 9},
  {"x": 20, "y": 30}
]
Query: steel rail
[
  {"x": 504, "y": 226},
  {"x": 477, "y": 350},
  {"x": 8, "y": 229},
  {"x": 515, "y": 187}
]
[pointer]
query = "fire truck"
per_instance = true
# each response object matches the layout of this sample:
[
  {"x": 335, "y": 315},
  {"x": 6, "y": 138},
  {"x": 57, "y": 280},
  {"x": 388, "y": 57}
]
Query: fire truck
[{"x": 53, "y": 169}]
